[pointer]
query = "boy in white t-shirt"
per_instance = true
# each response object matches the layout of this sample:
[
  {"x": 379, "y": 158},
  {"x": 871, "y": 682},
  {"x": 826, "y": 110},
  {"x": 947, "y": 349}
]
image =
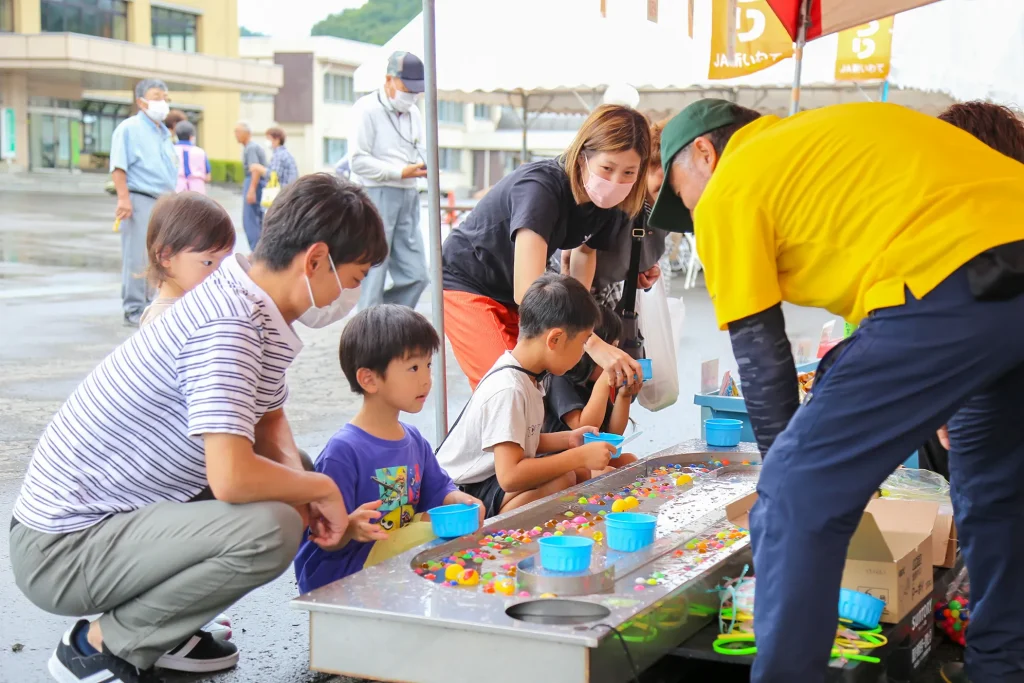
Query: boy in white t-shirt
[{"x": 491, "y": 451}]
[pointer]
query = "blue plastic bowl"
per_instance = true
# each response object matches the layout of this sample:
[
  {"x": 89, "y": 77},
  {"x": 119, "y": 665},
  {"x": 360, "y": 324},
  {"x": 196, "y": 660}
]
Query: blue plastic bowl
[
  {"x": 451, "y": 521},
  {"x": 613, "y": 439},
  {"x": 860, "y": 608},
  {"x": 565, "y": 553},
  {"x": 722, "y": 432},
  {"x": 645, "y": 363},
  {"x": 630, "y": 531}
]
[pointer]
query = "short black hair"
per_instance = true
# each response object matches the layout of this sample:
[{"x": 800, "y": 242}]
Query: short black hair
[
  {"x": 380, "y": 334},
  {"x": 321, "y": 207},
  {"x": 555, "y": 300},
  {"x": 608, "y": 329}
]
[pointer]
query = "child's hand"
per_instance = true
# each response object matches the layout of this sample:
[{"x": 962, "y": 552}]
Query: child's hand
[
  {"x": 596, "y": 455},
  {"x": 466, "y": 499},
  {"x": 362, "y": 523},
  {"x": 628, "y": 393},
  {"x": 576, "y": 435}
]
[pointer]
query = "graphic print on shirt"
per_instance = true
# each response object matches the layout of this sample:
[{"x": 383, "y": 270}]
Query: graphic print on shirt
[{"x": 398, "y": 494}]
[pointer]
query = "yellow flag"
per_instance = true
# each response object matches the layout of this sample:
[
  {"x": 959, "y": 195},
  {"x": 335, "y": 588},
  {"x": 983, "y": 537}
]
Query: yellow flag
[
  {"x": 761, "y": 39},
  {"x": 864, "y": 52}
]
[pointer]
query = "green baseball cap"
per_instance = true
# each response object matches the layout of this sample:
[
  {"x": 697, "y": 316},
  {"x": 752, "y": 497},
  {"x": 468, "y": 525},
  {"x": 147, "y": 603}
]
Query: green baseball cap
[{"x": 699, "y": 118}]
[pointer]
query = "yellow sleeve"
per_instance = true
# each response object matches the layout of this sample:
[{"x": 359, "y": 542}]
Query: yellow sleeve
[{"x": 736, "y": 246}]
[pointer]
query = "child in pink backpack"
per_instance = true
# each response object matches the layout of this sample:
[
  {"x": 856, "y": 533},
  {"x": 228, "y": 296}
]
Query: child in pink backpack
[{"x": 193, "y": 165}]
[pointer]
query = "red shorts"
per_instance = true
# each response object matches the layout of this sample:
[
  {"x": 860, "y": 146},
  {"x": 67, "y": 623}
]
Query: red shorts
[{"x": 480, "y": 329}]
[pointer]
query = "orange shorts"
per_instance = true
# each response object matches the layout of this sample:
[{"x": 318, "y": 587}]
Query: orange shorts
[{"x": 480, "y": 329}]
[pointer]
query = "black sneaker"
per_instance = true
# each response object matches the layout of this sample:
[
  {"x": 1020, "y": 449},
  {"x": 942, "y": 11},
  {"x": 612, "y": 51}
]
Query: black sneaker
[
  {"x": 69, "y": 665},
  {"x": 201, "y": 653}
]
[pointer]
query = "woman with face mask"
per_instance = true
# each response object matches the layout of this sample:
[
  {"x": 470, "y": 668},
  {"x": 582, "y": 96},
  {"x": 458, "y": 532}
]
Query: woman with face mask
[{"x": 504, "y": 245}]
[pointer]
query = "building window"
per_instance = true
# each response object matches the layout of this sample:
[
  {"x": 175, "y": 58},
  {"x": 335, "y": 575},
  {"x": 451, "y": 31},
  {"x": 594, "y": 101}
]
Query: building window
[
  {"x": 6, "y": 16},
  {"x": 99, "y": 119},
  {"x": 450, "y": 159},
  {"x": 335, "y": 150},
  {"x": 450, "y": 112},
  {"x": 482, "y": 112},
  {"x": 106, "y": 18},
  {"x": 174, "y": 30},
  {"x": 339, "y": 89}
]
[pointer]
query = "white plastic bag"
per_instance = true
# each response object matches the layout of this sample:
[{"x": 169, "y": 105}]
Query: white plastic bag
[{"x": 661, "y": 322}]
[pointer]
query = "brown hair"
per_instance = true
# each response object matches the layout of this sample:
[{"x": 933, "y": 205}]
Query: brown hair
[
  {"x": 997, "y": 126},
  {"x": 610, "y": 128},
  {"x": 173, "y": 118},
  {"x": 276, "y": 133},
  {"x": 656, "y": 129},
  {"x": 188, "y": 221}
]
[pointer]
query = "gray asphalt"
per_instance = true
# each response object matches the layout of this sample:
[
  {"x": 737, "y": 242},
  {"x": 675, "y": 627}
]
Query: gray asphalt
[{"x": 60, "y": 315}]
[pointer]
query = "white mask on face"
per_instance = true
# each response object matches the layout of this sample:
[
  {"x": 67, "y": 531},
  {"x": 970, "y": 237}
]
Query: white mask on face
[
  {"x": 157, "y": 110},
  {"x": 323, "y": 316},
  {"x": 403, "y": 101}
]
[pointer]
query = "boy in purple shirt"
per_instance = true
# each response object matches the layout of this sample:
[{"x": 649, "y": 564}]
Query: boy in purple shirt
[{"x": 386, "y": 471}]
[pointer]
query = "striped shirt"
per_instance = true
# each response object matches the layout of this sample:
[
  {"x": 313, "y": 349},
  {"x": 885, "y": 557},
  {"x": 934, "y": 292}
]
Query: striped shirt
[{"x": 131, "y": 434}]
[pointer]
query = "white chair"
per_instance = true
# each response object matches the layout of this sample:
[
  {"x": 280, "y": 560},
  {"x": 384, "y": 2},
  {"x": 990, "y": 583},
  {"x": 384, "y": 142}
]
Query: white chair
[{"x": 693, "y": 264}]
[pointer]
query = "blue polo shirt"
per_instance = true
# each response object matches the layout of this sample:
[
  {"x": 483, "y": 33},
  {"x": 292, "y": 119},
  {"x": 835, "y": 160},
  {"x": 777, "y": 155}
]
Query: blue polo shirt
[{"x": 143, "y": 150}]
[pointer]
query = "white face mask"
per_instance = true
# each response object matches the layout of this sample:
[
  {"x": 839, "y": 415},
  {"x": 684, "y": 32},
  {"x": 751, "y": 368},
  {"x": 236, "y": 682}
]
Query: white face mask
[
  {"x": 157, "y": 110},
  {"x": 323, "y": 316},
  {"x": 403, "y": 101}
]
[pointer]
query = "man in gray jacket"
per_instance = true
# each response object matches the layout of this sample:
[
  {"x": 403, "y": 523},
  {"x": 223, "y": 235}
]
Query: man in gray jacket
[{"x": 387, "y": 156}]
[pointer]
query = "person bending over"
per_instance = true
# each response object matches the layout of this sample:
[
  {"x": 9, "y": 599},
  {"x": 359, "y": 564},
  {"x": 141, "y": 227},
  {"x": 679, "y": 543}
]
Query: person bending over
[
  {"x": 386, "y": 471},
  {"x": 491, "y": 451}
]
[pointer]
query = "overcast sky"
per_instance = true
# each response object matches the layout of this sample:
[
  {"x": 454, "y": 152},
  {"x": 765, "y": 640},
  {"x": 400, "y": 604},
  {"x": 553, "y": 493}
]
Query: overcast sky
[{"x": 293, "y": 18}]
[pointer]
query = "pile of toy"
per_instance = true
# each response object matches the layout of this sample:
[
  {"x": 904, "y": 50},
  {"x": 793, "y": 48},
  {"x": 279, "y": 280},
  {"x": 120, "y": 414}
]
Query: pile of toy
[{"x": 953, "y": 617}]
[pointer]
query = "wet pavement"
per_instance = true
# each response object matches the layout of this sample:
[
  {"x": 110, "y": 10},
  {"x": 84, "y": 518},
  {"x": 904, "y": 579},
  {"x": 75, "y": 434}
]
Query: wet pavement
[{"x": 60, "y": 315}]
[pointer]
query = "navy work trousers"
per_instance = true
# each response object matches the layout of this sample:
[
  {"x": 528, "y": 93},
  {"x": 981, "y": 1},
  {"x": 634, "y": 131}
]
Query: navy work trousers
[{"x": 907, "y": 371}]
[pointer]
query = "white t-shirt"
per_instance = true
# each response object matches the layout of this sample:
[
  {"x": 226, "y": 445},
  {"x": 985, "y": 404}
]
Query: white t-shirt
[
  {"x": 132, "y": 433},
  {"x": 508, "y": 406}
]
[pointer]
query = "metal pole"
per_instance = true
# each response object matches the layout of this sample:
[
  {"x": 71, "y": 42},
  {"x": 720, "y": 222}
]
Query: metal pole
[
  {"x": 434, "y": 216},
  {"x": 526, "y": 125},
  {"x": 798, "y": 54}
]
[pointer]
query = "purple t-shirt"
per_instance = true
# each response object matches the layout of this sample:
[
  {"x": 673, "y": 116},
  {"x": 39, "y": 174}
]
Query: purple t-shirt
[{"x": 404, "y": 474}]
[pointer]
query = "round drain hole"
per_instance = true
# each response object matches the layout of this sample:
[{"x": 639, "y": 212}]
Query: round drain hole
[{"x": 559, "y": 612}]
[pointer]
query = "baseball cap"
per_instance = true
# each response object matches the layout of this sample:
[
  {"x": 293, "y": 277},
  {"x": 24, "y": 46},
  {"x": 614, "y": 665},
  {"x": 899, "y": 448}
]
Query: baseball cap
[
  {"x": 409, "y": 68},
  {"x": 699, "y": 118}
]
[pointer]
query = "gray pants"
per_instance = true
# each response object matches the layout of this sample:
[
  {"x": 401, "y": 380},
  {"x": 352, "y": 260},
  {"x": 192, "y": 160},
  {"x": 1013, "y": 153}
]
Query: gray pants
[
  {"x": 135, "y": 290},
  {"x": 252, "y": 214},
  {"x": 157, "y": 574},
  {"x": 399, "y": 209}
]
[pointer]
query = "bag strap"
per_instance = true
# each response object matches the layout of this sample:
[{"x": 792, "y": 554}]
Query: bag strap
[
  {"x": 533, "y": 375},
  {"x": 627, "y": 304}
]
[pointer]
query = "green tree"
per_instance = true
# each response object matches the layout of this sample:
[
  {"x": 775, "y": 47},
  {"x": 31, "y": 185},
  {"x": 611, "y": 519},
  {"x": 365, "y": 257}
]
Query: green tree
[
  {"x": 244, "y": 32},
  {"x": 375, "y": 22}
]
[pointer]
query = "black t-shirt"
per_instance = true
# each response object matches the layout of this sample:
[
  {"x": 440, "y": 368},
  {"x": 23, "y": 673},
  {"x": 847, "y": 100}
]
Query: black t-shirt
[
  {"x": 561, "y": 397},
  {"x": 478, "y": 256}
]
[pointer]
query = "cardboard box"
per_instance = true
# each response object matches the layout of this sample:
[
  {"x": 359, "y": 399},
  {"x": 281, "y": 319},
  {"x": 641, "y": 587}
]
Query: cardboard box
[
  {"x": 944, "y": 539},
  {"x": 890, "y": 554},
  {"x": 738, "y": 511}
]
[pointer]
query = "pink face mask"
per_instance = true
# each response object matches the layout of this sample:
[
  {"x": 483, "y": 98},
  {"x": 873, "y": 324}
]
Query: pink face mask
[{"x": 604, "y": 193}]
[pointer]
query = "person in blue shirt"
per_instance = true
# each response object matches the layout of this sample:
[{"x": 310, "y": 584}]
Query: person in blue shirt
[
  {"x": 144, "y": 166},
  {"x": 386, "y": 471}
]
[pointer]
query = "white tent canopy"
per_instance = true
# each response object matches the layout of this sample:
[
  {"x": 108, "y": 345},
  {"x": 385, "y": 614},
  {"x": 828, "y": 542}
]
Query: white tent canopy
[{"x": 496, "y": 50}]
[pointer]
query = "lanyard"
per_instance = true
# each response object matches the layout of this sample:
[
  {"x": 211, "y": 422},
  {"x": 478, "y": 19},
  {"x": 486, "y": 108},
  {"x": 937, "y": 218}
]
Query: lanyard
[{"x": 412, "y": 143}]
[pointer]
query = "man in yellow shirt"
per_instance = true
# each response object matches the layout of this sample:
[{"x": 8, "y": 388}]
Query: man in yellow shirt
[{"x": 914, "y": 229}]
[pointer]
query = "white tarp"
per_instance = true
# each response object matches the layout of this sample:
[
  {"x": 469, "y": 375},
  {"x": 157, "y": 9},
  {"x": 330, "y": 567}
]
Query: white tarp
[{"x": 966, "y": 48}]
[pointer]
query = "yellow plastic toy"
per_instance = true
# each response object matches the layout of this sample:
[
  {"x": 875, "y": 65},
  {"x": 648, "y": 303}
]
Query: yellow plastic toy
[
  {"x": 467, "y": 577},
  {"x": 505, "y": 586},
  {"x": 452, "y": 572}
]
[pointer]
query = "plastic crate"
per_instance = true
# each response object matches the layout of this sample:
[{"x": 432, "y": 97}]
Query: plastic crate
[{"x": 735, "y": 408}]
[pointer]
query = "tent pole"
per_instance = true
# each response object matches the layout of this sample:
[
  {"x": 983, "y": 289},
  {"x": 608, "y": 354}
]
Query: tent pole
[
  {"x": 801, "y": 40},
  {"x": 526, "y": 125},
  {"x": 434, "y": 217}
]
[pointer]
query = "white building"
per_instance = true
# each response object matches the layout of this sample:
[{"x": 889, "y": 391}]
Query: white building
[{"x": 478, "y": 143}]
